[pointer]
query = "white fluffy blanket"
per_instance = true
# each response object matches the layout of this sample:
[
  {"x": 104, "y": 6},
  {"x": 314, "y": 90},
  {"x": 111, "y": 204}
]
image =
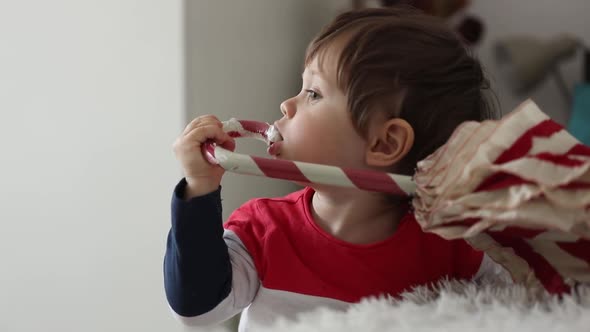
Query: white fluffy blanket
[{"x": 455, "y": 307}]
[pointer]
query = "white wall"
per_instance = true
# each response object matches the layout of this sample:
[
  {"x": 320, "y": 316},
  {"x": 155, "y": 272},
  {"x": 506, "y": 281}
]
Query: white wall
[
  {"x": 90, "y": 103},
  {"x": 91, "y": 99},
  {"x": 243, "y": 59},
  {"x": 542, "y": 19}
]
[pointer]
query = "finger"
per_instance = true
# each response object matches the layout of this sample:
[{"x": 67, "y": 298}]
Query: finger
[
  {"x": 202, "y": 121},
  {"x": 204, "y": 133}
]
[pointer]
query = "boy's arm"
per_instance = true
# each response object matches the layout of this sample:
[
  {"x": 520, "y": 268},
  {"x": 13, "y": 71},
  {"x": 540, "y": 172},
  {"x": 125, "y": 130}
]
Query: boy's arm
[{"x": 199, "y": 270}]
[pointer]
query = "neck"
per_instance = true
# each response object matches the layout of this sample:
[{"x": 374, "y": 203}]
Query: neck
[{"x": 355, "y": 216}]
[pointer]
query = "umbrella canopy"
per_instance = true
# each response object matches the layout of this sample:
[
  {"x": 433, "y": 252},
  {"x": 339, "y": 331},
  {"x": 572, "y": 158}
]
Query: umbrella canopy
[{"x": 518, "y": 189}]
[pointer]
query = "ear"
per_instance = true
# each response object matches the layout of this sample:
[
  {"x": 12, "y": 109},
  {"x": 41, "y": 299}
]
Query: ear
[{"x": 389, "y": 143}]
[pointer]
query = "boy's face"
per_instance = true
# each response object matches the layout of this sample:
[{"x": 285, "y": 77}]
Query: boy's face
[{"x": 316, "y": 126}]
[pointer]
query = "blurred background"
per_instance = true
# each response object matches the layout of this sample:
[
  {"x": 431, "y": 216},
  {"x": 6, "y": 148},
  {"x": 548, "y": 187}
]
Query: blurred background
[{"x": 93, "y": 93}]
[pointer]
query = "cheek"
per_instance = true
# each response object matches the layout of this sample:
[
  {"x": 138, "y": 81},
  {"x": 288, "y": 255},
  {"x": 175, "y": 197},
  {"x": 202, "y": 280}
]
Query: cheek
[
  {"x": 309, "y": 137},
  {"x": 330, "y": 145},
  {"x": 345, "y": 145}
]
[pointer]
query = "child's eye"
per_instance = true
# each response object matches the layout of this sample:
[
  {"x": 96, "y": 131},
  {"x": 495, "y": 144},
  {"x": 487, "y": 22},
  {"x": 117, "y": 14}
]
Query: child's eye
[{"x": 312, "y": 95}]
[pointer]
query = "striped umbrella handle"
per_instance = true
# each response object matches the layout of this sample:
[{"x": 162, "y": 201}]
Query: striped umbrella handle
[{"x": 400, "y": 185}]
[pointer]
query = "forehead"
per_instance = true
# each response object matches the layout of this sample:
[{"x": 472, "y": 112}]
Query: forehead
[{"x": 325, "y": 57}]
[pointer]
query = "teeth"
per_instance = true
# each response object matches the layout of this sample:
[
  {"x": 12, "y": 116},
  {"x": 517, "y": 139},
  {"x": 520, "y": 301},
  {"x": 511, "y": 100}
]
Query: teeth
[{"x": 273, "y": 134}]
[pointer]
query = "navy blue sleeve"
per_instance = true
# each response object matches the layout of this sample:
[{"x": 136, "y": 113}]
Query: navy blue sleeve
[{"x": 197, "y": 268}]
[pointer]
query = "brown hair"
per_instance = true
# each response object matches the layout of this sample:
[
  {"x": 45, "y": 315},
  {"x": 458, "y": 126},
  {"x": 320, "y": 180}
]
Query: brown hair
[{"x": 408, "y": 65}]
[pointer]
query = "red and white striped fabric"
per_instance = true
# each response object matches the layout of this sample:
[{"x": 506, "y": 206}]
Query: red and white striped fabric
[{"x": 519, "y": 189}]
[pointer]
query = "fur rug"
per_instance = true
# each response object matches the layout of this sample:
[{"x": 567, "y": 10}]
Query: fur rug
[{"x": 455, "y": 307}]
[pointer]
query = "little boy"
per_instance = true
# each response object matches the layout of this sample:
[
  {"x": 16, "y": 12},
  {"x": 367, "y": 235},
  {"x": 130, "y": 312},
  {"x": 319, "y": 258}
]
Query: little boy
[{"x": 382, "y": 89}]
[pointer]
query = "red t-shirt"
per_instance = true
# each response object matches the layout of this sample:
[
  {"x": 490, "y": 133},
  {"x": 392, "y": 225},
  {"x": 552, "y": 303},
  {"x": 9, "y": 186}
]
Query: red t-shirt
[{"x": 292, "y": 253}]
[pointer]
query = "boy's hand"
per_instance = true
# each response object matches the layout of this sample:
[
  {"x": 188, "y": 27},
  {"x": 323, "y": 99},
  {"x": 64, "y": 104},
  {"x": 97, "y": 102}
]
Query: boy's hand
[{"x": 201, "y": 176}]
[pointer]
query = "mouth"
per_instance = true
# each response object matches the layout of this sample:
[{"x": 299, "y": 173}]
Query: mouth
[
  {"x": 275, "y": 140},
  {"x": 273, "y": 134},
  {"x": 274, "y": 149}
]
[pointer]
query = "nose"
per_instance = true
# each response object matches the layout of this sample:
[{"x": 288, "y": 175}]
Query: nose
[{"x": 288, "y": 108}]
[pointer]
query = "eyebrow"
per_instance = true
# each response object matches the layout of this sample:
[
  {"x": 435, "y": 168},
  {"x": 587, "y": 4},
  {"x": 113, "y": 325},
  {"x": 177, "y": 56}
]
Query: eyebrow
[{"x": 312, "y": 73}]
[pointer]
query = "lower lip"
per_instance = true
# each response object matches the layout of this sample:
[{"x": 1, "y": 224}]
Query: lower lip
[{"x": 274, "y": 148}]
